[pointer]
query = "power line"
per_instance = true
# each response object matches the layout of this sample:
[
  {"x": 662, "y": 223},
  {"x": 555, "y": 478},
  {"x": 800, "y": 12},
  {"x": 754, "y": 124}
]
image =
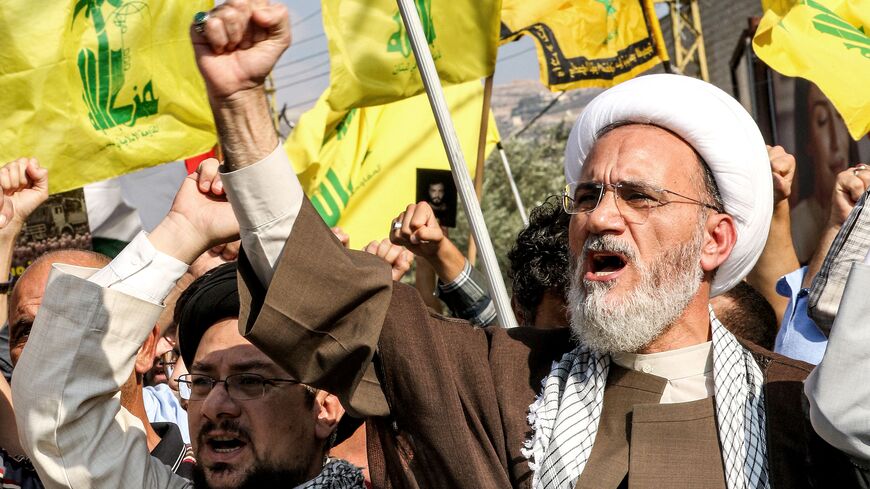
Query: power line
[
  {"x": 524, "y": 51},
  {"x": 303, "y": 80},
  {"x": 307, "y": 17},
  {"x": 535, "y": 118},
  {"x": 299, "y": 60},
  {"x": 300, "y": 104},
  {"x": 303, "y": 41},
  {"x": 308, "y": 68}
]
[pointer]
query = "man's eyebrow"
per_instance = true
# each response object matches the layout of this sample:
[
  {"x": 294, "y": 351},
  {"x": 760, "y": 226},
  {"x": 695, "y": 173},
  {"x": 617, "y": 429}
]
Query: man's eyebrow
[
  {"x": 236, "y": 367},
  {"x": 252, "y": 365}
]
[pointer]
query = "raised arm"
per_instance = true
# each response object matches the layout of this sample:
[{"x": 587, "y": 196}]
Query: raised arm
[
  {"x": 83, "y": 346},
  {"x": 24, "y": 185},
  {"x": 458, "y": 283},
  {"x": 325, "y": 305},
  {"x": 778, "y": 257}
]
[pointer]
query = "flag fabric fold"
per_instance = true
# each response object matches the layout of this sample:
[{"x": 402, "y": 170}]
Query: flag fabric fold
[
  {"x": 359, "y": 167},
  {"x": 98, "y": 88},
  {"x": 826, "y": 42},
  {"x": 371, "y": 62},
  {"x": 587, "y": 44}
]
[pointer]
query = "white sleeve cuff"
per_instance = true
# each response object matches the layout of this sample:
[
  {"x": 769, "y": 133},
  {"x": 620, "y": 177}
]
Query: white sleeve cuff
[
  {"x": 141, "y": 271},
  {"x": 266, "y": 199},
  {"x": 265, "y": 191}
]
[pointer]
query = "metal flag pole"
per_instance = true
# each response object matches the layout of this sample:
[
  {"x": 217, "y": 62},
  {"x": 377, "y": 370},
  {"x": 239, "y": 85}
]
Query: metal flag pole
[
  {"x": 432, "y": 83},
  {"x": 510, "y": 177}
]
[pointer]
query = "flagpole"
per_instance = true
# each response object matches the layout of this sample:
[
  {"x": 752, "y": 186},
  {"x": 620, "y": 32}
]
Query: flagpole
[
  {"x": 481, "y": 157},
  {"x": 514, "y": 190},
  {"x": 435, "y": 93}
]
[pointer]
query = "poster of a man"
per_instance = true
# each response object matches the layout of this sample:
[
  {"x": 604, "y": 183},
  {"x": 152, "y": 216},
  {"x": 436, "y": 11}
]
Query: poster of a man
[
  {"x": 436, "y": 196},
  {"x": 437, "y": 188}
]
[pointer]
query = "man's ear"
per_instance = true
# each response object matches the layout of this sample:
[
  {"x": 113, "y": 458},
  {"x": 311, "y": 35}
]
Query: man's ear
[
  {"x": 329, "y": 411},
  {"x": 145, "y": 356},
  {"x": 719, "y": 239}
]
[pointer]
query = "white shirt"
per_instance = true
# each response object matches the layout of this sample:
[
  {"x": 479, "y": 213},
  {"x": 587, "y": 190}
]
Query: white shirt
[{"x": 689, "y": 370}]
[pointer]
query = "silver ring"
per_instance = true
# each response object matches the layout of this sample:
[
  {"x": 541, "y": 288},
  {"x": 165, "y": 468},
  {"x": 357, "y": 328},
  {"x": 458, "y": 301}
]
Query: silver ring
[
  {"x": 199, "y": 21},
  {"x": 858, "y": 168},
  {"x": 397, "y": 225}
]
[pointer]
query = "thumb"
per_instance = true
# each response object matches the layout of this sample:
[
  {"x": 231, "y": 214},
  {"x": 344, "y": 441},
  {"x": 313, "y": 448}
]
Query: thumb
[{"x": 6, "y": 211}]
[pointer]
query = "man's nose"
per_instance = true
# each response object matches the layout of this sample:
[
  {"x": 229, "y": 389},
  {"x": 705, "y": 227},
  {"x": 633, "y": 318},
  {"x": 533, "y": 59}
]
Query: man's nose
[
  {"x": 218, "y": 403},
  {"x": 606, "y": 218}
]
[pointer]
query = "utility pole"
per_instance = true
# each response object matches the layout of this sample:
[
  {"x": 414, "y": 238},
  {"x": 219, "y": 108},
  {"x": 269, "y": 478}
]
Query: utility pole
[
  {"x": 690, "y": 58},
  {"x": 273, "y": 107}
]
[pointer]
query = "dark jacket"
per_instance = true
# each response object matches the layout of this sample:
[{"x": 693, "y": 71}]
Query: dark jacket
[{"x": 448, "y": 402}]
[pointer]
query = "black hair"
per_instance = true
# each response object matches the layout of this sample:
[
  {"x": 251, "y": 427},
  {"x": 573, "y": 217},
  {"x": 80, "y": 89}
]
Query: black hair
[{"x": 539, "y": 257}]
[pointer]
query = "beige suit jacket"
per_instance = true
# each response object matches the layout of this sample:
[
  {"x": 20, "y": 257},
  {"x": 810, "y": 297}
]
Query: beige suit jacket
[{"x": 67, "y": 383}]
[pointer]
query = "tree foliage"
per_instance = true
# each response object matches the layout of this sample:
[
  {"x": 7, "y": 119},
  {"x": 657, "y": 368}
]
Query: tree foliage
[{"x": 536, "y": 162}]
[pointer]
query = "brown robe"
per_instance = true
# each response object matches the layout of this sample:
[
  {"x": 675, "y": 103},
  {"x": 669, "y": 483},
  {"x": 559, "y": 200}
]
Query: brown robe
[{"x": 447, "y": 403}]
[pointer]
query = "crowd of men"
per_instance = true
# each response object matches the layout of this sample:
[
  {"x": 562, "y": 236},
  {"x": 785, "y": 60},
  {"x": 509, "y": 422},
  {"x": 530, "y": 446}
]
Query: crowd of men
[{"x": 241, "y": 344}]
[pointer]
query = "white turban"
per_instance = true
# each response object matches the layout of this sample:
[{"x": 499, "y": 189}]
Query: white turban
[{"x": 718, "y": 128}]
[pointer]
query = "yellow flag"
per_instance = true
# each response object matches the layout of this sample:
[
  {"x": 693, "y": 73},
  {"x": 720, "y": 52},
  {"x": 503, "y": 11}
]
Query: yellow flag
[
  {"x": 587, "y": 44},
  {"x": 97, "y": 88},
  {"x": 826, "y": 42},
  {"x": 359, "y": 168},
  {"x": 371, "y": 62}
]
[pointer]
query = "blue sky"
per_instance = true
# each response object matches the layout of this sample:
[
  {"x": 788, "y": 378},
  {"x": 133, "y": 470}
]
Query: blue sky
[{"x": 303, "y": 72}]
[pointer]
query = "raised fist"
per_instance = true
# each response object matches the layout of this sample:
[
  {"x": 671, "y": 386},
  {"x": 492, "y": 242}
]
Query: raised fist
[
  {"x": 782, "y": 167},
  {"x": 25, "y": 185},
  {"x": 239, "y": 44},
  {"x": 418, "y": 230}
]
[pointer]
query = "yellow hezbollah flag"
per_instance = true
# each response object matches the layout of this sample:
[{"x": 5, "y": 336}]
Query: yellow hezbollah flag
[
  {"x": 359, "y": 168},
  {"x": 370, "y": 52},
  {"x": 97, "y": 88},
  {"x": 826, "y": 42},
  {"x": 587, "y": 44}
]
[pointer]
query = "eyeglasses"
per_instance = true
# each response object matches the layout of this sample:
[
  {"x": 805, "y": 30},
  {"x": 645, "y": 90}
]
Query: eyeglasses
[
  {"x": 241, "y": 387},
  {"x": 634, "y": 200},
  {"x": 168, "y": 361}
]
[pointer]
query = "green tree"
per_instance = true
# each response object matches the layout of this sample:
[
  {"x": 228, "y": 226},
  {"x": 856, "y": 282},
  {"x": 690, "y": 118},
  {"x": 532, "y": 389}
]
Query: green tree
[{"x": 536, "y": 161}]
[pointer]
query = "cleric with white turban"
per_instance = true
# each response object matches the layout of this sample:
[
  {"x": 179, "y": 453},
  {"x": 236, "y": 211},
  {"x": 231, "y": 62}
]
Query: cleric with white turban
[{"x": 656, "y": 326}]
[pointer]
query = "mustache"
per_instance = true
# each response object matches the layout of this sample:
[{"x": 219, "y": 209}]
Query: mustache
[
  {"x": 608, "y": 243},
  {"x": 231, "y": 427}
]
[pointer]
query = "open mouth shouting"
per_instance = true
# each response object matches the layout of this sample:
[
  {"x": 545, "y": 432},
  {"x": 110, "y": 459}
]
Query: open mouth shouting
[
  {"x": 221, "y": 447},
  {"x": 604, "y": 265}
]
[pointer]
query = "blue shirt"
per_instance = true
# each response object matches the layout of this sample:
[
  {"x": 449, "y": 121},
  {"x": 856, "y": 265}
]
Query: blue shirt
[
  {"x": 798, "y": 336},
  {"x": 162, "y": 406}
]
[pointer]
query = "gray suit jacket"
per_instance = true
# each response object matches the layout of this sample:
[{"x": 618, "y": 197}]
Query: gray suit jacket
[
  {"x": 66, "y": 388},
  {"x": 839, "y": 389}
]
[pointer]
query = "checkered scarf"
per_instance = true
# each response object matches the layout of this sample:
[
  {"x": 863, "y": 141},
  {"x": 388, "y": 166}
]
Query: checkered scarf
[
  {"x": 336, "y": 474},
  {"x": 565, "y": 416}
]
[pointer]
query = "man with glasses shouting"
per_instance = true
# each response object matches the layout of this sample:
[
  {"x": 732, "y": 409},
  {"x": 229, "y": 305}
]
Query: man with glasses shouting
[{"x": 250, "y": 425}]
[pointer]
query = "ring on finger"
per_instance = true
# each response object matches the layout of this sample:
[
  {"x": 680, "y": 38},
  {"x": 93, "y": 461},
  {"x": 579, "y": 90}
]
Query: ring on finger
[
  {"x": 397, "y": 225},
  {"x": 858, "y": 168},
  {"x": 199, "y": 21}
]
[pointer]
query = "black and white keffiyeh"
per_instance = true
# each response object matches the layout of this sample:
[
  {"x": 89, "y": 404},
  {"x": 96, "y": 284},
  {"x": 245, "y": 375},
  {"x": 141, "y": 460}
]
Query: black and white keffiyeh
[
  {"x": 336, "y": 474},
  {"x": 564, "y": 418}
]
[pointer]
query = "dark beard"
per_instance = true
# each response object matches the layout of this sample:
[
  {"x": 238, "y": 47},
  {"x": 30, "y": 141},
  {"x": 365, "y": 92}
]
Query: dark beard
[{"x": 258, "y": 477}]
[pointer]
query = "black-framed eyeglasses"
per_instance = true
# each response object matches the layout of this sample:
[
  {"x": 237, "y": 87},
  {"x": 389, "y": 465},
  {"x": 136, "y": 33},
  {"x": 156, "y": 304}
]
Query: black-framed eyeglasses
[
  {"x": 241, "y": 387},
  {"x": 634, "y": 200}
]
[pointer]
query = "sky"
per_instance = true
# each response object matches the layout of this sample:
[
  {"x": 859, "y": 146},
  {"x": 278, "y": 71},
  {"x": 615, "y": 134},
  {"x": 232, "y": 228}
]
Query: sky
[{"x": 303, "y": 71}]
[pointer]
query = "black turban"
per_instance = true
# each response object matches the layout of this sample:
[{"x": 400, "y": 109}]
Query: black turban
[{"x": 208, "y": 300}]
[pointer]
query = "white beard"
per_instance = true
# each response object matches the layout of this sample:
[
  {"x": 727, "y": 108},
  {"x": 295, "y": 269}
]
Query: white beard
[{"x": 666, "y": 287}]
